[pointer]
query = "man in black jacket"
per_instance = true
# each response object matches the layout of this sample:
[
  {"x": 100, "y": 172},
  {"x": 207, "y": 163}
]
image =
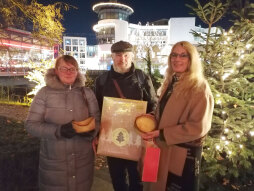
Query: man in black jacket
[{"x": 134, "y": 84}]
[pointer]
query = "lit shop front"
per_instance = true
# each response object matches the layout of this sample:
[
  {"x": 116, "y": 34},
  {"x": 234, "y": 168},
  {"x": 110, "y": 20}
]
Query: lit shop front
[{"x": 18, "y": 48}]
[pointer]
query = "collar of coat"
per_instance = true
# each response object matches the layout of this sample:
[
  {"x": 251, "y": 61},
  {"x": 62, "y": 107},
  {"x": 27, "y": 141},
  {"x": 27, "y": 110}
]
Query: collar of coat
[{"x": 52, "y": 80}]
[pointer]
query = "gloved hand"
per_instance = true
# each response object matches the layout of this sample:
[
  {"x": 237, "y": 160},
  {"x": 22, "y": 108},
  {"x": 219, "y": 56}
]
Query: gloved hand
[
  {"x": 88, "y": 134},
  {"x": 67, "y": 130}
]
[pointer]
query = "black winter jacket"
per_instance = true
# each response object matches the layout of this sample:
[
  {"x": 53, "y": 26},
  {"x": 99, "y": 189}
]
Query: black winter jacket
[{"x": 130, "y": 86}]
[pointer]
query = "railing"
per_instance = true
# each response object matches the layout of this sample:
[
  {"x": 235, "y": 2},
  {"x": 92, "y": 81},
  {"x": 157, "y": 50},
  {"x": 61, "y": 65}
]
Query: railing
[{"x": 12, "y": 71}]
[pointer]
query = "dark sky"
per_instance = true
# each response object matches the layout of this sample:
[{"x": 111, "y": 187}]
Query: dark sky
[{"x": 79, "y": 22}]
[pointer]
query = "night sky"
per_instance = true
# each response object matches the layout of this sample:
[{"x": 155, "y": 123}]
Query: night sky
[{"x": 79, "y": 22}]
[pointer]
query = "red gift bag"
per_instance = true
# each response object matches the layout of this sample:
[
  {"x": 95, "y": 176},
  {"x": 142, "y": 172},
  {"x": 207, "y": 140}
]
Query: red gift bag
[{"x": 151, "y": 164}]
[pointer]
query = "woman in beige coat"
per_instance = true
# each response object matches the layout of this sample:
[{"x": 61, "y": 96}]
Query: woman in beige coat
[{"x": 184, "y": 115}]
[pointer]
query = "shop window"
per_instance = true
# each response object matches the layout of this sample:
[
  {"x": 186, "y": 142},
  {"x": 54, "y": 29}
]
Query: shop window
[
  {"x": 82, "y": 49},
  {"x": 82, "y": 55},
  {"x": 68, "y": 48},
  {"x": 75, "y": 49},
  {"x": 67, "y": 41},
  {"x": 75, "y": 55},
  {"x": 82, "y": 62},
  {"x": 81, "y": 42},
  {"x": 74, "y": 41}
]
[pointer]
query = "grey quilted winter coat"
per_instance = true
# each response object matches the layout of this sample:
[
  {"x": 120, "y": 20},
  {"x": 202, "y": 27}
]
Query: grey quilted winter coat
[{"x": 65, "y": 164}]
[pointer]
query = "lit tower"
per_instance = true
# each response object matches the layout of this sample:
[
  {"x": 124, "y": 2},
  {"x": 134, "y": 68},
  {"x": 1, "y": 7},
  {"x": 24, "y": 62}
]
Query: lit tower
[
  {"x": 113, "y": 21},
  {"x": 112, "y": 25}
]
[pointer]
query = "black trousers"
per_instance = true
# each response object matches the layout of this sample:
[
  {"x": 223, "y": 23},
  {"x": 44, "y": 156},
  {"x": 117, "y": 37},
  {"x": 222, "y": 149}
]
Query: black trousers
[
  {"x": 124, "y": 174},
  {"x": 189, "y": 181}
]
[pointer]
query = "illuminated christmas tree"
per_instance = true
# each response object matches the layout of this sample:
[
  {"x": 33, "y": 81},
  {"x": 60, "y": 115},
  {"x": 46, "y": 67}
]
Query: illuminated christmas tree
[{"x": 228, "y": 58}]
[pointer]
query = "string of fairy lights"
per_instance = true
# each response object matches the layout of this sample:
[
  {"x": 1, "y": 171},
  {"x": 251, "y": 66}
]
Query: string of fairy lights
[{"x": 225, "y": 143}]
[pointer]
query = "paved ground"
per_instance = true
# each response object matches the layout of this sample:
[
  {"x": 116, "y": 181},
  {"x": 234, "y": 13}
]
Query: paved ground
[{"x": 102, "y": 181}]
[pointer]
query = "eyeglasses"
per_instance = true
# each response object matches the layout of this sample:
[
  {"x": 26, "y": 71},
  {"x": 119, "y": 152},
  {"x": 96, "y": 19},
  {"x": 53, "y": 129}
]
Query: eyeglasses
[
  {"x": 65, "y": 70},
  {"x": 182, "y": 56}
]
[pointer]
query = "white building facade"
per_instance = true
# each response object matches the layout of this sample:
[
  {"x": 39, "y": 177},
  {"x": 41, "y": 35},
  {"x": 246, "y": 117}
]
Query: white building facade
[
  {"x": 76, "y": 47},
  {"x": 113, "y": 25}
]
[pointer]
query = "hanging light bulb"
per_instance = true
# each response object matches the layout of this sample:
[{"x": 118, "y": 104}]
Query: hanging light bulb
[
  {"x": 219, "y": 101},
  {"x": 248, "y": 46},
  {"x": 225, "y": 76},
  {"x": 231, "y": 71},
  {"x": 238, "y": 63}
]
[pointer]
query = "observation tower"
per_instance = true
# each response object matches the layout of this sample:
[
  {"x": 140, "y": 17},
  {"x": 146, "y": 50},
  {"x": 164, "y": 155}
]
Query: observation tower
[
  {"x": 112, "y": 27},
  {"x": 113, "y": 22}
]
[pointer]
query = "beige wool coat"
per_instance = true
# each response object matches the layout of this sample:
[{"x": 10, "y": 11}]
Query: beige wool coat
[{"x": 184, "y": 119}]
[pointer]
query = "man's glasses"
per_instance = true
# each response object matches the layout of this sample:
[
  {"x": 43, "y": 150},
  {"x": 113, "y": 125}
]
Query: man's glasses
[
  {"x": 182, "y": 56},
  {"x": 65, "y": 70}
]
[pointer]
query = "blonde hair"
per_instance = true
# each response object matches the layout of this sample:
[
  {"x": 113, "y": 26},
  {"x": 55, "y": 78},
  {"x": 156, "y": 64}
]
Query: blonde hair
[{"x": 190, "y": 79}]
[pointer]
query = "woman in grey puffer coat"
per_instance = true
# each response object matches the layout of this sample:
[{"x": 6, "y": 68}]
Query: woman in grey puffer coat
[{"x": 66, "y": 157}]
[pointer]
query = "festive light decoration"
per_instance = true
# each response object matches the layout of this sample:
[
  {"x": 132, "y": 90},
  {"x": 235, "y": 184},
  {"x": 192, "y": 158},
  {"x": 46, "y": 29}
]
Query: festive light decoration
[
  {"x": 233, "y": 140},
  {"x": 100, "y": 5},
  {"x": 150, "y": 45},
  {"x": 228, "y": 58},
  {"x": 97, "y": 27},
  {"x": 248, "y": 46}
]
